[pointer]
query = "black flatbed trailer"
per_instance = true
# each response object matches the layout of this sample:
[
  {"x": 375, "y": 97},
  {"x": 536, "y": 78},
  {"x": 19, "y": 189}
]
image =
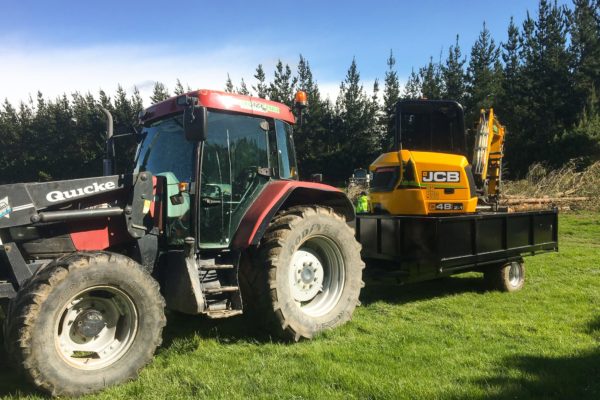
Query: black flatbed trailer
[{"x": 416, "y": 248}]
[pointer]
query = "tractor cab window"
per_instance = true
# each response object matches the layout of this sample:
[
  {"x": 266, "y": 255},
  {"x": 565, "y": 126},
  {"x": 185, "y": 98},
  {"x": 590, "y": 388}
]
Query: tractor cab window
[
  {"x": 164, "y": 149},
  {"x": 165, "y": 152},
  {"x": 235, "y": 151},
  {"x": 286, "y": 156}
]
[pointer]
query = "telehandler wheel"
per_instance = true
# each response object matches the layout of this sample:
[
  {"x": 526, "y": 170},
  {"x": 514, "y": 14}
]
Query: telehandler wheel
[
  {"x": 308, "y": 273},
  {"x": 508, "y": 277},
  {"x": 85, "y": 322}
]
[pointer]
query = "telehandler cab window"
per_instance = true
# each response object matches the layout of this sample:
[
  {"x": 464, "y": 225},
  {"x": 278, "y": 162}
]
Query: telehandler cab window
[
  {"x": 385, "y": 179},
  {"x": 432, "y": 127}
]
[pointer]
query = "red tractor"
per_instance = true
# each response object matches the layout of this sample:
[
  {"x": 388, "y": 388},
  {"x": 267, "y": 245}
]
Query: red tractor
[{"x": 212, "y": 220}]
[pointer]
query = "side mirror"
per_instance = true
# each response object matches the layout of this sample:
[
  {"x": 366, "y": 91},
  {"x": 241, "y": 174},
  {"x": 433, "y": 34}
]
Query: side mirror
[{"x": 195, "y": 118}]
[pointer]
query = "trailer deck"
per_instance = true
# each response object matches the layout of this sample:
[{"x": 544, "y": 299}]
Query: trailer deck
[{"x": 426, "y": 247}]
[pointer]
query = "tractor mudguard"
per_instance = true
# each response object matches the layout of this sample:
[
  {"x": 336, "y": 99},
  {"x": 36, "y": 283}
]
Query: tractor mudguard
[{"x": 279, "y": 195}]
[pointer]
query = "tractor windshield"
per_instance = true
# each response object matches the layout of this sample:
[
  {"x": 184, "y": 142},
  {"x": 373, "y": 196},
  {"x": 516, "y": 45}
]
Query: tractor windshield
[{"x": 164, "y": 149}]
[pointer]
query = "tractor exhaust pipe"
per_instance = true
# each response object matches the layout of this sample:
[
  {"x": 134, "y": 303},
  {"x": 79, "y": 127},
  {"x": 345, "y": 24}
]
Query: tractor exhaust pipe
[{"x": 108, "y": 163}]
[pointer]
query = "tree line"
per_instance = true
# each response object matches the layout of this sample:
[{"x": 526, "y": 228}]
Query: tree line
[{"x": 543, "y": 82}]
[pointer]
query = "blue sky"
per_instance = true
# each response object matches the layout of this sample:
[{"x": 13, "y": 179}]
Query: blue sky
[{"x": 63, "y": 46}]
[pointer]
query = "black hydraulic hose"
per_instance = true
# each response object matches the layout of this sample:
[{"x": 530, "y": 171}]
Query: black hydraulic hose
[{"x": 68, "y": 215}]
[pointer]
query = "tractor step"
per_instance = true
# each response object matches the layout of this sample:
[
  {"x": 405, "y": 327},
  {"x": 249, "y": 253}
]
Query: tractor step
[
  {"x": 211, "y": 267},
  {"x": 221, "y": 289},
  {"x": 223, "y": 314}
]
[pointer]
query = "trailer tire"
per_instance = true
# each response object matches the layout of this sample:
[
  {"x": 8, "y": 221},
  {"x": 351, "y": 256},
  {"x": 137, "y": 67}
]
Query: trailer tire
[
  {"x": 85, "y": 322},
  {"x": 509, "y": 277},
  {"x": 306, "y": 276}
]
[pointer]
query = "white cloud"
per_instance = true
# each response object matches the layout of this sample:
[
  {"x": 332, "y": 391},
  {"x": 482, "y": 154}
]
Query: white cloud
[{"x": 24, "y": 70}]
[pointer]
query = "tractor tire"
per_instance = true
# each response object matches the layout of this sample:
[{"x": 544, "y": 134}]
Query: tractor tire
[
  {"x": 85, "y": 322},
  {"x": 306, "y": 276},
  {"x": 509, "y": 277}
]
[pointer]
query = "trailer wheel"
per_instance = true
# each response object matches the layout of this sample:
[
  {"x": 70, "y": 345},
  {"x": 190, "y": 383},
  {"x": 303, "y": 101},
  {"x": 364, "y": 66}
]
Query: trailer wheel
[
  {"x": 307, "y": 275},
  {"x": 85, "y": 322},
  {"x": 508, "y": 277}
]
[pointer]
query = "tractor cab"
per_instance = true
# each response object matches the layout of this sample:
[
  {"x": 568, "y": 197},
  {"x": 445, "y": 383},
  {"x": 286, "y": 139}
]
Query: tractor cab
[{"x": 247, "y": 143}]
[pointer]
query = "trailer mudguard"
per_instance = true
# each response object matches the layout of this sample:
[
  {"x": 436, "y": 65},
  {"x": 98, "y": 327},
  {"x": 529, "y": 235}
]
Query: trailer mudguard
[{"x": 278, "y": 195}]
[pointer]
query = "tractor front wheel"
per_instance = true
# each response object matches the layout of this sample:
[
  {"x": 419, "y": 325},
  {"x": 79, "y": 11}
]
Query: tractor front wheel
[
  {"x": 309, "y": 273},
  {"x": 85, "y": 322}
]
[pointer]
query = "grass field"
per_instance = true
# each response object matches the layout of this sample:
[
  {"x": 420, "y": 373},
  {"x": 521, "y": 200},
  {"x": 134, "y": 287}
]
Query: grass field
[{"x": 446, "y": 339}]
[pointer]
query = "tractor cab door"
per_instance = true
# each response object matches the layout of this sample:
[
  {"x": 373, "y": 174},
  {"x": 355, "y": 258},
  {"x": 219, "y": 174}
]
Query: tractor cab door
[{"x": 235, "y": 157}]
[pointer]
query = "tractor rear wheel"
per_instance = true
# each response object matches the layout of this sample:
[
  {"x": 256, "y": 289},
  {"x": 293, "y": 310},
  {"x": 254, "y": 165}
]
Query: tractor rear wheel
[
  {"x": 508, "y": 277},
  {"x": 85, "y": 322},
  {"x": 308, "y": 273}
]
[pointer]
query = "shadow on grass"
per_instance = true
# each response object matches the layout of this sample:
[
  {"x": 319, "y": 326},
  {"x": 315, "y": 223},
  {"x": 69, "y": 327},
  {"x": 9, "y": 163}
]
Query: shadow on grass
[
  {"x": 242, "y": 328},
  {"x": 573, "y": 377},
  {"x": 390, "y": 291},
  {"x": 228, "y": 330},
  {"x": 537, "y": 377}
]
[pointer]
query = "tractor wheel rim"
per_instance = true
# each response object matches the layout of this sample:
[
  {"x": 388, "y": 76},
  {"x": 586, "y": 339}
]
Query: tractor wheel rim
[
  {"x": 514, "y": 274},
  {"x": 96, "y": 327},
  {"x": 317, "y": 275}
]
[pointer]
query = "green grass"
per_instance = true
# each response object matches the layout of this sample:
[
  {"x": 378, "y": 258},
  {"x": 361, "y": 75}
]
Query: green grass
[{"x": 446, "y": 339}]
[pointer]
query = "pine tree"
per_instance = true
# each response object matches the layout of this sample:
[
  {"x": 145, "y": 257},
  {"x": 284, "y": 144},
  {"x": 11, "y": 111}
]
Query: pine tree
[
  {"x": 13, "y": 155},
  {"x": 124, "y": 115},
  {"x": 243, "y": 89},
  {"x": 261, "y": 88},
  {"x": 283, "y": 86},
  {"x": 354, "y": 122},
  {"x": 228, "y": 85},
  {"x": 453, "y": 74},
  {"x": 159, "y": 93},
  {"x": 137, "y": 103},
  {"x": 585, "y": 50},
  {"x": 178, "y": 91},
  {"x": 105, "y": 100},
  {"x": 431, "y": 80},
  {"x": 546, "y": 90},
  {"x": 376, "y": 131},
  {"x": 481, "y": 80},
  {"x": 125, "y": 119},
  {"x": 509, "y": 104},
  {"x": 317, "y": 130},
  {"x": 412, "y": 89},
  {"x": 483, "y": 75},
  {"x": 391, "y": 95},
  {"x": 510, "y": 54}
]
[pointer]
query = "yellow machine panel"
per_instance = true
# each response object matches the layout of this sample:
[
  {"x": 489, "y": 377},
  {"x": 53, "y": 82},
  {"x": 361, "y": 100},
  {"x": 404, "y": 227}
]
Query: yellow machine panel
[
  {"x": 488, "y": 153},
  {"x": 422, "y": 183}
]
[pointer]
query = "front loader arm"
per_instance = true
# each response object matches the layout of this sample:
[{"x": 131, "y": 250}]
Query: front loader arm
[{"x": 41, "y": 221}]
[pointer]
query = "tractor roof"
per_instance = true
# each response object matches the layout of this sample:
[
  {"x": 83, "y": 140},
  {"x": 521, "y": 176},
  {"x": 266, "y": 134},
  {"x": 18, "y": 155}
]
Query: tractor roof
[{"x": 216, "y": 100}]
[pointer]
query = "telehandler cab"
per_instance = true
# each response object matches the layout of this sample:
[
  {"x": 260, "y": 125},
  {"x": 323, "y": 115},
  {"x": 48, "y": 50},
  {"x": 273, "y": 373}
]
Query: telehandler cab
[{"x": 212, "y": 220}]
